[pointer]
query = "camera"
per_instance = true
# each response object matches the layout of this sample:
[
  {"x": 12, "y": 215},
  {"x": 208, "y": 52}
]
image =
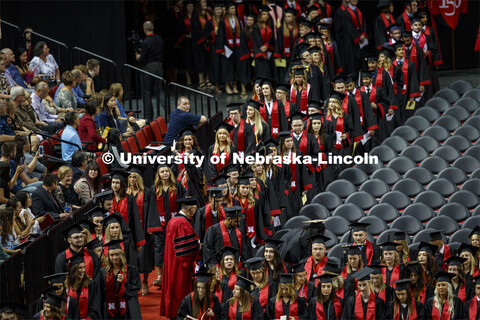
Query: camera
[{"x": 135, "y": 40}]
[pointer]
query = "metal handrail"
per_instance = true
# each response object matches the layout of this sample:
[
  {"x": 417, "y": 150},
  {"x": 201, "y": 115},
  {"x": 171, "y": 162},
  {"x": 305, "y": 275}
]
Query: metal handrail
[
  {"x": 12, "y": 25},
  {"x": 58, "y": 139},
  {"x": 95, "y": 55},
  {"x": 49, "y": 39},
  {"x": 145, "y": 72}
]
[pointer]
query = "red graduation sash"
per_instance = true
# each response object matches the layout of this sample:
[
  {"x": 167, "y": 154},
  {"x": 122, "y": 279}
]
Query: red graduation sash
[
  {"x": 381, "y": 294},
  {"x": 226, "y": 236},
  {"x": 359, "y": 307},
  {"x": 287, "y": 108},
  {"x": 462, "y": 295},
  {"x": 339, "y": 128},
  {"x": 249, "y": 212},
  {"x": 411, "y": 316},
  {"x": 263, "y": 298},
  {"x": 218, "y": 292},
  {"x": 303, "y": 98},
  {"x": 172, "y": 196},
  {"x": 309, "y": 266},
  {"x": 345, "y": 104},
  {"x": 240, "y": 136},
  {"x": 368, "y": 250},
  {"x": 303, "y": 292},
  {"x": 394, "y": 277},
  {"x": 232, "y": 280},
  {"x": 209, "y": 218},
  {"x": 232, "y": 40},
  {"x": 406, "y": 19},
  {"x": 188, "y": 24},
  {"x": 279, "y": 310},
  {"x": 445, "y": 313},
  {"x": 82, "y": 301},
  {"x": 219, "y": 166},
  {"x": 287, "y": 43},
  {"x": 446, "y": 255},
  {"x": 303, "y": 142},
  {"x": 121, "y": 207},
  {"x": 320, "y": 312},
  {"x": 87, "y": 259},
  {"x": 232, "y": 311},
  {"x": 116, "y": 303},
  {"x": 387, "y": 21},
  {"x": 403, "y": 90},
  {"x": 338, "y": 307},
  {"x": 472, "y": 309},
  {"x": 357, "y": 24},
  {"x": 275, "y": 118},
  {"x": 266, "y": 34},
  {"x": 139, "y": 201},
  {"x": 202, "y": 307}
]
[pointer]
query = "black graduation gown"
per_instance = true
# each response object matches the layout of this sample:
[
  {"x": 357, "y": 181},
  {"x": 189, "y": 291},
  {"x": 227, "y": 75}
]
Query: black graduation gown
[
  {"x": 245, "y": 53},
  {"x": 258, "y": 228},
  {"x": 275, "y": 196},
  {"x": 328, "y": 309},
  {"x": 229, "y": 65},
  {"x": 459, "y": 312},
  {"x": 331, "y": 59},
  {"x": 94, "y": 306},
  {"x": 390, "y": 314},
  {"x": 415, "y": 54},
  {"x": 283, "y": 51},
  {"x": 201, "y": 47},
  {"x": 339, "y": 33},
  {"x": 388, "y": 293},
  {"x": 312, "y": 149},
  {"x": 212, "y": 170},
  {"x": 349, "y": 309},
  {"x": 199, "y": 222},
  {"x": 318, "y": 86},
  {"x": 389, "y": 93},
  {"x": 61, "y": 263},
  {"x": 310, "y": 289},
  {"x": 248, "y": 137},
  {"x": 186, "y": 307},
  {"x": 404, "y": 21},
  {"x": 407, "y": 89},
  {"x": 476, "y": 312},
  {"x": 256, "y": 311},
  {"x": 187, "y": 43},
  {"x": 369, "y": 121},
  {"x": 272, "y": 288},
  {"x": 263, "y": 60},
  {"x": 302, "y": 309},
  {"x": 72, "y": 309},
  {"x": 214, "y": 65},
  {"x": 282, "y": 118},
  {"x": 296, "y": 246},
  {"x": 348, "y": 128},
  {"x": 380, "y": 98},
  {"x": 213, "y": 242},
  {"x": 380, "y": 33},
  {"x": 353, "y": 53},
  {"x": 195, "y": 180},
  {"x": 132, "y": 285},
  {"x": 265, "y": 133},
  {"x": 145, "y": 258}
]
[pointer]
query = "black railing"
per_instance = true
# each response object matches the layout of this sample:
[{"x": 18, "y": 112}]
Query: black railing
[
  {"x": 11, "y": 278},
  {"x": 108, "y": 68},
  {"x": 142, "y": 88},
  {"x": 58, "y": 49},
  {"x": 11, "y": 36},
  {"x": 201, "y": 102}
]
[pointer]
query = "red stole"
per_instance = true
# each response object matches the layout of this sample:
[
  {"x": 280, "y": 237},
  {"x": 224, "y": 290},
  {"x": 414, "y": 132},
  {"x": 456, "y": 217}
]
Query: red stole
[
  {"x": 413, "y": 54},
  {"x": 382, "y": 294},
  {"x": 287, "y": 43},
  {"x": 240, "y": 136},
  {"x": 275, "y": 118},
  {"x": 320, "y": 312},
  {"x": 356, "y": 23},
  {"x": 304, "y": 142},
  {"x": 116, "y": 295},
  {"x": 87, "y": 259},
  {"x": 266, "y": 34},
  {"x": 337, "y": 306},
  {"x": 394, "y": 277},
  {"x": 369, "y": 251},
  {"x": 172, "y": 205},
  {"x": 358, "y": 99},
  {"x": 472, "y": 309},
  {"x": 279, "y": 310},
  {"x": 359, "y": 307},
  {"x": 411, "y": 316},
  {"x": 232, "y": 40},
  {"x": 387, "y": 22},
  {"x": 406, "y": 19},
  {"x": 209, "y": 218},
  {"x": 339, "y": 128},
  {"x": 202, "y": 306},
  {"x": 303, "y": 98},
  {"x": 139, "y": 201},
  {"x": 293, "y": 169},
  {"x": 218, "y": 292},
  {"x": 379, "y": 78},
  {"x": 82, "y": 301},
  {"x": 221, "y": 165},
  {"x": 121, "y": 207},
  {"x": 446, "y": 255},
  {"x": 226, "y": 236},
  {"x": 231, "y": 280},
  {"x": 329, "y": 47},
  {"x": 462, "y": 295},
  {"x": 263, "y": 298},
  {"x": 188, "y": 24},
  {"x": 232, "y": 311},
  {"x": 303, "y": 291},
  {"x": 404, "y": 73},
  {"x": 310, "y": 265},
  {"x": 445, "y": 313},
  {"x": 249, "y": 213},
  {"x": 287, "y": 108}
]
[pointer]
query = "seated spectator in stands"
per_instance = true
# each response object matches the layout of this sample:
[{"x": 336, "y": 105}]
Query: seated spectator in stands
[
  {"x": 93, "y": 67},
  {"x": 44, "y": 63},
  {"x": 14, "y": 121},
  {"x": 27, "y": 118},
  {"x": 44, "y": 200},
  {"x": 5, "y": 180},
  {"x": 79, "y": 163},
  {"x": 65, "y": 192},
  {"x": 4, "y": 84},
  {"x": 116, "y": 90},
  {"x": 76, "y": 91},
  {"x": 21, "y": 62},
  {"x": 12, "y": 70},
  {"x": 180, "y": 118},
  {"x": 114, "y": 146},
  {"x": 23, "y": 147},
  {"x": 90, "y": 183},
  {"x": 26, "y": 214},
  {"x": 40, "y": 93},
  {"x": 70, "y": 134},
  {"x": 109, "y": 117},
  {"x": 86, "y": 83},
  {"x": 87, "y": 130},
  {"x": 6, "y": 132},
  {"x": 21, "y": 229},
  {"x": 40, "y": 169},
  {"x": 64, "y": 97},
  {"x": 7, "y": 55},
  {"x": 9, "y": 238}
]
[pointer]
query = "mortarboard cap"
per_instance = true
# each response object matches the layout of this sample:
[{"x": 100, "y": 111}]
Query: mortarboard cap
[
  {"x": 317, "y": 115},
  {"x": 412, "y": 265},
  {"x": 301, "y": 49},
  {"x": 224, "y": 125},
  {"x": 120, "y": 174},
  {"x": 215, "y": 192},
  {"x": 366, "y": 73},
  {"x": 311, "y": 9},
  {"x": 272, "y": 83},
  {"x": 114, "y": 244},
  {"x": 231, "y": 168},
  {"x": 323, "y": 26},
  {"x": 475, "y": 231},
  {"x": 74, "y": 228},
  {"x": 105, "y": 195},
  {"x": 299, "y": 71},
  {"x": 283, "y": 86},
  {"x": 443, "y": 276},
  {"x": 371, "y": 56},
  {"x": 363, "y": 274},
  {"x": 252, "y": 15},
  {"x": 286, "y": 277},
  {"x": 349, "y": 78},
  {"x": 202, "y": 276},
  {"x": 255, "y": 104},
  {"x": 219, "y": 4},
  {"x": 406, "y": 34},
  {"x": 297, "y": 268},
  {"x": 383, "y": 3},
  {"x": 455, "y": 261},
  {"x": 234, "y": 106},
  {"x": 427, "y": 247},
  {"x": 135, "y": 168},
  {"x": 435, "y": 235},
  {"x": 325, "y": 278},
  {"x": 187, "y": 131},
  {"x": 256, "y": 80},
  {"x": 352, "y": 250},
  {"x": 305, "y": 22},
  {"x": 187, "y": 200},
  {"x": 376, "y": 268},
  {"x": 263, "y": 9},
  {"x": 255, "y": 263},
  {"x": 271, "y": 143},
  {"x": 297, "y": 116},
  {"x": 315, "y": 104},
  {"x": 388, "y": 51},
  {"x": 56, "y": 277},
  {"x": 233, "y": 211},
  {"x": 95, "y": 243},
  {"x": 297, "y": 62},
  {"x": 285, "y": 134},
  {"x": 332, "y": 268},
  {"x": 54, "y": 300},
  {"x": 398, "y": 44},
  {"x": 87, "y": 224},
  {"x": 225, "y": 251},
  {"x": 318, "y": 238},
  {"x": 339, "y": 79},
  {"x": 399, "y": 236},
  {"x": 114, "y": 217},
  {"x": 393, "y": 27},
  {"x": 244, "y": 179},
  {"x": 272, "y": 243},
  {"x": 244, "y": 283},
  {"x": 403, "y": 284},
  {"x": 291, "y": 11},
  {"x": 75, "y": 259},
  {"x": 469, "y": 248},
  {"x": 389, "y": 246},
  {"x": 359, "y": 226},
  {"x": 310, "y": 35},
  {"x": 415, "y": 18},
  {"x": 221, "y": 179}
]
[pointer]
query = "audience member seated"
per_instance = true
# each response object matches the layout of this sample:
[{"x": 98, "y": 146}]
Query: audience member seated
[
  {"x": 180, "y": 118},
  {"x": 26, "y": 214},
  {"x": 70, "y": 134},
  {"x": 9, "y": 238},
  {"x": 116, "y": 90},
  {"x": 109, "y": 117},
  {"x": 12, "y": 70},
  {"x": 65, "y": 192},
  {"x": 52, "y": 121},
  {"x": 14, "y": 121},
  {"x": 87, "y": 130},
  {"x": 86, "y": 83},
  {"x": 6, "y": 132},
  {"x": 44, "y": 63},
  {"x": 76, "y": 91},
  {"x": 93, "y": 67},
  {"x": 18, "y": 171},
  {"x": 25, "y": 114},
  {"x": 40, "y": 169},
  {"x": 4, "y": 84},
  {"x": 114, "y": 146},
  {"x": 64, "y": 97},
  {"x": 21, "y": 229},
  {"x": 79, "y": 163},
  {"x": 23, "y": 147},
  {"x": 21, "y": 62},
  {"x": 90, "y": 183},
  {"x": 44, "y": 200},
  {"x": 5, "y": 181},
  {"x": 7, "y": 58}
]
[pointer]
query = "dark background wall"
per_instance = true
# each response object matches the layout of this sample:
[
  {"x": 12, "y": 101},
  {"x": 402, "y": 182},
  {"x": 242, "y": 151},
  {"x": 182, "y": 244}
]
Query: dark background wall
[{"x": 102, "y": 26}]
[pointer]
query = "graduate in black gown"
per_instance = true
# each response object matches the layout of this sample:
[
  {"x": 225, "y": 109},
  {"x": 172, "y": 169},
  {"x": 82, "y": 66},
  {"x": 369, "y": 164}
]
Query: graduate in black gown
[
  {"x": 52, "y": 308},
  {"x": 264, "y": 289},
  {"x": 261, "y": 130},
  {"x": 282, "y": 94},
  {"x": 383, "y": 22},
  {"x": 323, "y": 171},
  {"x": 355, "y": 35},
  {"x": 287, "y": 35},
  {"x": 223, "y": 148},
  {"x": 201, "y": 300},
  {"x": 462, "y": 289},
  {"x": 403, "y": 305},
  {"x": 242, "y": 302},
  {"x": 245, "y": 53},
  {"x": 301, "y": 92},
  {"x": 263, "y": 44},
  {"x": 272, "y": 110},
  {"x": 415, "y": 54},
  {"x": 381, "y": 290},
  {"x": 325, "y": 305},
  {"x": 215, "y": 56},
  {"x": 119, "y": 284},
  {"x": 421, "y": 291},
  {"x": 212, "y": 213},
  {"x": 286, "y": 302},
  {"x": 68, "y": 306},
  {"x": 451, "y": 307},
  {"x": 305, "y": 289},
  {"x": 242, "y": 135},
  {"x": 472, "y": 306}
]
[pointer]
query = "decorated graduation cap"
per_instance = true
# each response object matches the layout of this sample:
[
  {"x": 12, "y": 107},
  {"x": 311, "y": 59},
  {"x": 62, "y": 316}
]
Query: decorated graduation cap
[
  {"x": 427, "y": 247},
  {"x": 233, "y": 211},
  {"x": 297, "y": 116},
  {"x": 112, "y": 218},
  {"x": 187, "y": 200},
  {"x": 363, "y": 274},
  {"x": 225, "y": 251},
  {"x": 221, "y": 179},
  {"x": 283, "y": 86},
  {"x": 325, "y": 278},
  {"x": 187, "y": 131},
  {"x": 272, "y": 243},
  {"x": 389, "y": 246},
  {"x": 359, "y": 226},
  {"x": 285, "y": 134},
  {"x": 318, "y": 238},
  {"x": 87, "y": 224},
  {"x": 297, "y": 268},
  {"x": 286, "y": 278},
  {"x": 403, "y": 284},
  {"x": 224, "y": 125},
  {"x": 74, "y": 228},
  {"x": 255, "y": 263},
  {"x": 95, "y": 243},
  {"x": 56, "y": 277},
  {"x": 398, "y": 44},
  {"x": 435, "y": 235},
  {"x": 244, "y": 283},
  {"x": 271, "y": 143},
  {"x": 352, "y": 250},
  {"x": 291, "y": 11},
  {"x": 255, "y": 104},
  {"x": 306, "y": 23},
  {"x": 388, "y": 51},
  {"x": 443, "y": 276},
  {"x": 365, "y": 73},
  {"x": 215, "y": 192},
  {"x": 455, "y": 261},
  {"x": 114, "y": 244},
  {"x": 77, "y": 258},
  {"x": 234, "y": 106},
  {"x": 376, "y": 268},
  {"x": 54, "y": 300},
  {"x": 202, "y": 276},
  {"x": 467, "y": 247}
]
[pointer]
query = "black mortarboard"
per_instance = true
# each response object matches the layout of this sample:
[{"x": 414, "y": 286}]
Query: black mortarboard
[
  {"x": 219, "y": 4},
  {"x": 95, "y": 243},
  {"x": 272, "y": 83},
  {"x": 255, "y": 104},
  {"x": 224, "y": 125},
  {"x": 427, "y": 247},
  {"x": 233, "y": 211},
  {"x": 371, "y": 56},
  {"x": 135, "y": 168},
  {"x": 234, "y": 106},
  {"x": 105, "y": 195},
  {"x": 272, "y": 243},
  {"x": 416, "y": 17},
  {"x": 8, "y": 306},
  {"x": 286, "y": 277},
  {"x": 363, "y": 274},
  {"x": 348, "y": 78},
  {"x": 412, "y": 265},
  {"x": 291, "y": 11},
  {"x": 112, "y": 218},
  {"x": 443, "y": 276},
  {"x": 305, "y": 22},
  {"x": 311, "y": 8},
  {"x": 314, "y": 49},
  {"x": 75, "y": 259},
  {"x": 74, "y": 228},
  {"x": 114, "y": 244},
  {"x": 406, "y": 34},
  {"x": 376, "y": 268},
  {"x": 315, "y": 104},
  {"x": 221, "y": 179},
  {"x": 455, "y": 261},
  {"x": 283, "y": 86},
  {"x": 393, "y": 27},
  {"x": 301, "y": 49},
  {"x": 120, "y": 174},
  {"x": 468, "y": 247},
  {"x": 271, "y": 143},
  {"x": 244, "y": 283},
  {"x": 422, "y": 13},
  {"x": 339, "y": 79},
  {"x": 202, "y": 276},
  {"x": 256, "y": 80},
  {"x": 56, "y": 277},
  {"x": 475, "y": 230},
  {"x": 316, "y": 116},
  {"x": 187, "y": 131},
  {"x": 252, "y": 15},
  {"x": 297, "y": 268},
  {"x": 403, "y": 284},
  {"x": 297, "y": 62},
  {"x": 388, "y": 51},
  {"x": 318, "y": 238},
  {"x": 323, "y": 26},
  {"x": 435, "y": 235},
  {"x": 87, "y": 224},
  {"x": 398, "y": 44},
  {"x": 331, "y": 267},
  {"x": 215, "y": 192},
  {"x": 225, "y": 251},
  {"x": 255, "y": 263},
  {"x": 188, "y": 200},
  {"x": 310, "y": 35},
  {"x": 285, "y": 134},
  {"x": 325, "y": 278},
  {"x": 352, "y": 250},
  {"x": 399, "y": 236},
  {"x": 297, "y": 116},
  {"x": 366, "y": 73},
  {"x": 383, "y": 3},
  {"x": 476, "y": 280},
  {"x": 232, "y": 167},
  {"x": 244, "y": 179},
  {"x": 259, "y": 148},
  {"x": 54, "y": 300},
  {"x": 359, "y": 226},
  {"x": 389, "y": 246},
  {"x": 299, "y": 71},
  {"x": 263, "y": 9}
]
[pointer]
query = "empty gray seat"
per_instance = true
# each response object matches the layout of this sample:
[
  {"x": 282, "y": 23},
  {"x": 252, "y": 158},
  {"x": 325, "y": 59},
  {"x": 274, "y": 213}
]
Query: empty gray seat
[
  {"x": 384, "y": 211},
  {"x": 437, "y": 103},
  {"x": 467, "y": 163},
  {"x": 418, "y": 122},
  {"x": 460, "y": 86},
  {"x": 458, "y": 142},
  {"x": 401, "y": 164},
  {"x": 458, "y": 112},
  {"x": 375, "y": 187},
  {"x": 448, "y": 122},
  {"x": 437, "y": 132},
  {"x": 428, "y": 113},
  {"x": 387, "y": 175},
  {"x": 448, "y": 153},
  {"x": 342, "y": 188},
  {"x": 406, "y": 132},
  {"x": 443, "y": 186},
  {"x": 428, "y": 143},
  {"x": 362, "y": 199},
  {"x": 422, "y": 175},
  {"x": 397, "y": 143},
  {"x": 415, "y": 153},
  {"x": 354, "y": 175},
  {"x": 384, "y": 153},
  {"x": 447, "y": 94},
  {"x": 408, "y": 186},
  {"x": 469, "y": 104}
]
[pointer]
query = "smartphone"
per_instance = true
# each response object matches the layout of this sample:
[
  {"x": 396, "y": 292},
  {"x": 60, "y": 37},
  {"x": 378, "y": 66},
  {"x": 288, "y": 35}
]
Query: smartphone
[
  {"x": 22, "y": 161},
  {"x": 40, "y": 151}
]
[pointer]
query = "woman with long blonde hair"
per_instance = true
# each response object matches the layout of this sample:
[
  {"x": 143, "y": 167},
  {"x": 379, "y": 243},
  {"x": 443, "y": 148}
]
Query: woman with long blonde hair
[
  {"x": 264, "y": 289},
  {"x": 300, "y": 92},
  {"x": 402, "y": 246},
  {"x": 444, "y": 304},
  {"x": 163, "y": 194},
  {"x": 242, "y": 302},
  {"x": 381, "y": 290},
  {"x": 120, "y": 284},
  {"x": 470, "y": 265},
  {"x": 461, "y": 288},
  {"x": 391, "y": 259},
  {"x": 260, "y": 127},
  {"x": 287, "y": 35},
  {"x": 223, "y": 149},
  {"x": 286, "y": 303}
]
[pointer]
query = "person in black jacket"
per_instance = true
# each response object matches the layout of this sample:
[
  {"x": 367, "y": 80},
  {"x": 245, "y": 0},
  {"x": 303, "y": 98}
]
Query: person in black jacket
[{"x": 44, "y": 201}]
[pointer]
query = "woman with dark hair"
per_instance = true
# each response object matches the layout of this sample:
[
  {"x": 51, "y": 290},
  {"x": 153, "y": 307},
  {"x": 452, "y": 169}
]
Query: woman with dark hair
[
  {"x": 287, "y": 35},
  {"x": 272, "y": 110},
  {"x": 228, "y": 270},
  {"x": 9, "y": 237},
  {"x": 21, "y": 229},
  {"x": 215, "y": 57},
  {"x": 326, "y": 305},
  {"x": 404, "y": 305},
  {"x": 114, "y": 146},
  {"x": 246, "y": 54},
  {"x": 26, "y": 214},
  {"x": 263, "y": 44},
  {"x": 21, "y": 62},
  {"x": 5, "y": 181},
  {"x": 201, "y": 301},
  {"x": 274, "y": 264},
  {"x": 242, "y": 303},
  {"x": 461, "y": 288},
  {"x": 87, "y": 129},
  {"x": 323, "y": 172},
  {"x": 109, "y": 117},
  {"x": 90, "y": 183},
  {"x": 44, "y": 63},
  {"x": 425, "y": 256},
  {"x": 420, "y": 290}
]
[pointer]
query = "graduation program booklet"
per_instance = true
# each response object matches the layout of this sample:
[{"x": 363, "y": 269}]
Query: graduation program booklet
[
  {"x": 410, "y": 105},
  {"x": 363, "y": 44},
  {"x": 228, "y": 52}
]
